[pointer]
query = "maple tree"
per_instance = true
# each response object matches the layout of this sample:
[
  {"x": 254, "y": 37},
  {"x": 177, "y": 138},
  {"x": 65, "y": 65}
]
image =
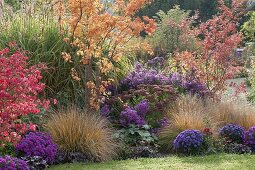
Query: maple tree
[
  {"x": 213, "y": 64},
  {"x": 101, "y": 33}
]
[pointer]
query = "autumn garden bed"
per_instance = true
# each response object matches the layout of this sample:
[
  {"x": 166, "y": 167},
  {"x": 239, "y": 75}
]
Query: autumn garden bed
[{"x": 93, "y": 85}]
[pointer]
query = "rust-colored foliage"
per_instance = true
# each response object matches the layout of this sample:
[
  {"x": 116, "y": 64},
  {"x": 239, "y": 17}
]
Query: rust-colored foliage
[
  {"x": 101, "y": 33},
  {"x": 213, "y": 64}
]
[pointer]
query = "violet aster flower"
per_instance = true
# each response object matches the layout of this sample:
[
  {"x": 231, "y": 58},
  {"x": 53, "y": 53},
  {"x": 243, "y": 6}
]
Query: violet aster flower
[
  {"x": 130, "y": 116},
  {"x": 232, "y": 133},
  {"x": 176, "y": 79},
  {"x": 38, "y": 144},
  {"x": 189, "y": 142},
  {"x": 10, "y": 163},
  {"x": 195, "y": 88},
  {"x": 142, "y": 75},
  {"x": 142, "y": 108},
  {"x": 164, "y": 122},
  {"x": 156, "y": 62},
  {"x": 105, "y": 110},
  {"x": 249, "y": 138}
]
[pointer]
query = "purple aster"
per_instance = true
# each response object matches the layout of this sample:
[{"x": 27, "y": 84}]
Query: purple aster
[
  {"x": 130, "y": 116},
  {"x": 10, "y": 163},
  {"x": 156, "y": 62},
  {"x": 249, "y": 137},
  {"x": 105, "y": 110},
  {"x": 176, "y": 79},
  {"x": 232, "y": 133},
  {"x": 38, "y": 144},
  {"x": 164, "y": 122},
  {"x": 142, "y": 108},
  {"x": 189, "y": 142}
]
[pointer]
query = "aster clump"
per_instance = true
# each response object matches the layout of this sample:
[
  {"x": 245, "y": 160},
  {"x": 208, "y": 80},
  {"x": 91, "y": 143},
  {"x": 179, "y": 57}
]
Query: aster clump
[
  {"x": 38, "y": 144},
  {"x": 130, "y": 116},
  {"x": 189, "y": 142},
  {"x": 195, "y": 87},
  {"x": 10, "y": 163},
  {"x": 142, "y": 108},
  {"x": 156, "y": 62},
  {"x": 144, "y": 76},
  {"x": 232, "y": 133},
  {"x": 249, "y": 138},
  {"x": 105, "y": 110}
]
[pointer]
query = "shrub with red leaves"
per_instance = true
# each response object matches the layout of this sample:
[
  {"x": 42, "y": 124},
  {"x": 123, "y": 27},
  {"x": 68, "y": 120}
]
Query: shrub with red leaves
[{"x": 19, "y": 89}]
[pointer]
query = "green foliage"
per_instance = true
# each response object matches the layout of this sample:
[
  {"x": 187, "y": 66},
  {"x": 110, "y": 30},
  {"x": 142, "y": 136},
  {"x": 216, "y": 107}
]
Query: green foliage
[
  {"x": 38, "y": 119},
  {"x": 207, "y": 8},
  {"x": 135, "y": 136},
  {"x": 136, "y": 142},
  {"x": 169, "y": 35},
  {"x": 248, "y": 28},
  {"x": 15, "y": 4},
  {"x": 213, "y": 144},
  {"x": 44, "y": 43},
  {"x": 7, "y": 149}
]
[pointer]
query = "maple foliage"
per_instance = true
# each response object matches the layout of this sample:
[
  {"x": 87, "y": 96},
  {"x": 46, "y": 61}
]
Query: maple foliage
[
  {"x": 213, "y": 65},
  {"x": 19, "y": 89},
  {"x": 102, "y": 33}
]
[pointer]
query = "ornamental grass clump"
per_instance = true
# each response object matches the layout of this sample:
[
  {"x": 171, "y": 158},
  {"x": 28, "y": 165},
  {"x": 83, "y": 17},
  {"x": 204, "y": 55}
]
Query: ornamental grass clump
[
  {"x": 76, "y": 131},
  {"x": 38, "y": 144},
  {"x": 229, "y": 111},
  {"x": 188, "y": 112},
  {"x": 189, "y": 142},
  {"x": 9, "y": 163},
  {"x": 232, "y": 133}
]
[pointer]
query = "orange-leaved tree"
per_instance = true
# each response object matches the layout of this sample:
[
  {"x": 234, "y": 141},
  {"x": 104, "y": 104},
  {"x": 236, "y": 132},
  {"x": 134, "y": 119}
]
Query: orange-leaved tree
[
  {"x": 213, "y": 65},
  {"x": 101, "y": 33}
]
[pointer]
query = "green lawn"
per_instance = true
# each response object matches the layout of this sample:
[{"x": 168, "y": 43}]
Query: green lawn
[{"x": 214, "y": 162}]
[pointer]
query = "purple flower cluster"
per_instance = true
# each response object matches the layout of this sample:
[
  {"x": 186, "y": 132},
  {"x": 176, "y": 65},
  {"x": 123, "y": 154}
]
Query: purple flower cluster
[
  {"x": 156, "y": 62},
  {"x": 38, "y": 144},
  {"x": 142, "y": 108},
  {"x": 232, "y": 133},
  {"x": 142, "y": 75},
  {"x": 249, "y": 138},
  {"x": 176, "y": 79},
  {"x": 164, "y": 122},
  {"x": 9, "y": 163},
  {"x": 189, "y": 142},
  {"x": 145, "y": 76},
  {"x": 105, "y": 110},
  {"x": 196, "y": 88},
  {"x": 135, "y": 115}
]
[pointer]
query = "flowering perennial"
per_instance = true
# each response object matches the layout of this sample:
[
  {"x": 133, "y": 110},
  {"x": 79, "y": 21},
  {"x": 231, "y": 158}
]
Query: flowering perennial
[
  {"x": 249, "y": 137},
  {"x": 9, "y": 163},
  {"x": 130, "y": 116},
  {"x": 189, "y": 142},
  {"x": 232, "y": 133},
  {"x": 38, "y": 144}
]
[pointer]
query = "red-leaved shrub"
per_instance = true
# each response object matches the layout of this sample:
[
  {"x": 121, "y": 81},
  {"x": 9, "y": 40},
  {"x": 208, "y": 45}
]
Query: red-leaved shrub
[{"x": 19, "y": 89}]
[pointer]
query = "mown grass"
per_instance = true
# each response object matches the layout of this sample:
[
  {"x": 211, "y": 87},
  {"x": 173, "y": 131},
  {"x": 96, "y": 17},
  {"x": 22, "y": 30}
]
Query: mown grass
[{"x": 212, "y": 162}]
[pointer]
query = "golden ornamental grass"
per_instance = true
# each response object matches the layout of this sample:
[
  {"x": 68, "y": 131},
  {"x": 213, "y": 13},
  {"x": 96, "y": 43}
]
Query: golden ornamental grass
[
  {"x": 193, "y": 113},
  {"x": 232, "y": 111},
  {"x": 76, "y": 131}
]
